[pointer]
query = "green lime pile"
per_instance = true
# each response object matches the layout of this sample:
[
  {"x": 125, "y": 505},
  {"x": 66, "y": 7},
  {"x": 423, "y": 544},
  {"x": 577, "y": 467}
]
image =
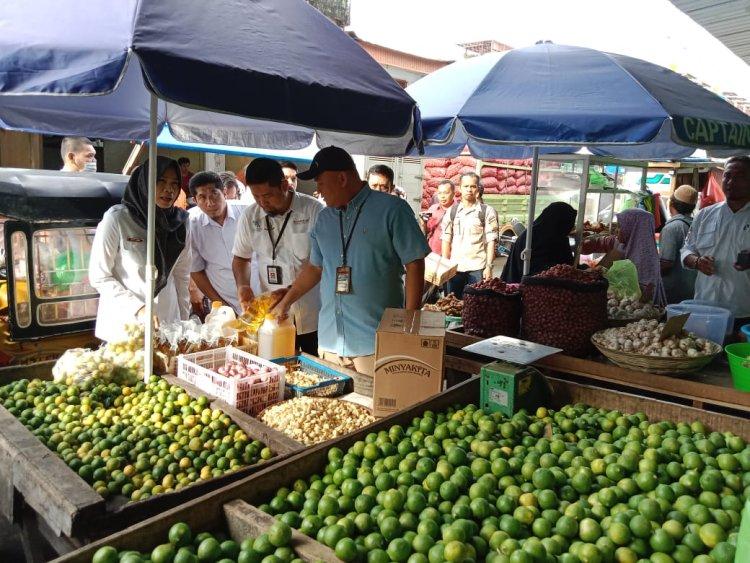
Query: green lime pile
[
  {"x": 182, "y": 547},
  {"x": 580, "y": 485},
  {"x": 135, "y": 441}
]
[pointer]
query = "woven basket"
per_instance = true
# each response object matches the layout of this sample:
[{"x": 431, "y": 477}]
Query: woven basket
[{"x": 655, "y": 364}]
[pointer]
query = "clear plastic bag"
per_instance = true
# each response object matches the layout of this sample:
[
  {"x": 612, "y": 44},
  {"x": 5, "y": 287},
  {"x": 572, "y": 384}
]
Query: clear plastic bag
[{"x": 623, "y": 280}]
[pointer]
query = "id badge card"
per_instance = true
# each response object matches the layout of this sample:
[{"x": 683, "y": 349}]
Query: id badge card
[
  {"x": 274, "y": 275},
  {"x": 343, "y": 279}
]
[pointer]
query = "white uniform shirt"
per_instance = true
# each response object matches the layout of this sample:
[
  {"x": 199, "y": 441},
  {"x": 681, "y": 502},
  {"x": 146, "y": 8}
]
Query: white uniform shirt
[
  {"x": 717, "y": 231},
  {"x": 292, "y": 252},
  {"x": 117, "y": 271},
  {"x": 211, "y": 246}
]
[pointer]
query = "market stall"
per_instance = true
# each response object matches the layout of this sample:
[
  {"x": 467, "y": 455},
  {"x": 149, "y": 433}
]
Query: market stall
[{"x": 242, "y": 509}]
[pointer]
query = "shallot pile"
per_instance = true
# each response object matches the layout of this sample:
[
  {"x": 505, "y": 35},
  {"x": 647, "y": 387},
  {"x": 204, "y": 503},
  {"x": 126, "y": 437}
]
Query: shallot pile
[
  {"x": 627, "y": 308},
  {"x": 563, "y": 307},
  {"x": 234, "y": 368},
  {"x": 643, "y": 337},
  {"x": 491, "y": 308},
  {"x": 450, "y": 305},
  {"x": 568, "y": 272}
]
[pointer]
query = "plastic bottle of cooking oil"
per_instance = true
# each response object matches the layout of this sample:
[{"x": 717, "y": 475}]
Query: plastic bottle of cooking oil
[
  {"x": 219, "y": 316},
  {"x": 276, "y": 338}
]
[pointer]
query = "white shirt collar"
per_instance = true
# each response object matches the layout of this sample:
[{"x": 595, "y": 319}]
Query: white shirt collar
[{"x": 232, "y": 212}]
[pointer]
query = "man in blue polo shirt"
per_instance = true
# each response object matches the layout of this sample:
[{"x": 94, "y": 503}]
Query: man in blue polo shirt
[{"x": 361, "y": 246}]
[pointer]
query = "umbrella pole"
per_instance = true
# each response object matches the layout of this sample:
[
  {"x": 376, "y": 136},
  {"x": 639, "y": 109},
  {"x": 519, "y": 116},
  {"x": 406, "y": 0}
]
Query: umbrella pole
[
  {"x": 148, "y": 359},
  {"x": 532, "y": 211}
]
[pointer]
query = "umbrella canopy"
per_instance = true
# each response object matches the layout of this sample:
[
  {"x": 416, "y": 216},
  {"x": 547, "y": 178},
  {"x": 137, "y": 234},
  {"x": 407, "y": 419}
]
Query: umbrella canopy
[
  {"x": 273, "y": 73},
  {"x": 561, "y": 98},
  {"x": 166, "y": 140}
]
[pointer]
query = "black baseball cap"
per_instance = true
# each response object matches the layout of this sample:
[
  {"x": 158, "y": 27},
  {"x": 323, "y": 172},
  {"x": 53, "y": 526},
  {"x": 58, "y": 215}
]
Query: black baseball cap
[{"x": 331, "y": 158}]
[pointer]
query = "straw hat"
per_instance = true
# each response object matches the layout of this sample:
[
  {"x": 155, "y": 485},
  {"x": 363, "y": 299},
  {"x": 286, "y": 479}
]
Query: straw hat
[{"x": 686, "y": 194}]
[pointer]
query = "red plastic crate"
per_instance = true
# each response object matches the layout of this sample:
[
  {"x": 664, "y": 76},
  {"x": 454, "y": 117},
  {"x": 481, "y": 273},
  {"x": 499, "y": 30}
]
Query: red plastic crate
[{"x": 250, "y": 394}]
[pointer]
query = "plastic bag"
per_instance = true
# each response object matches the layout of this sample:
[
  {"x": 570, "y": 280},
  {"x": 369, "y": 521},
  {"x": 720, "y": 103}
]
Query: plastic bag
[{"x": 623, "y": 280}]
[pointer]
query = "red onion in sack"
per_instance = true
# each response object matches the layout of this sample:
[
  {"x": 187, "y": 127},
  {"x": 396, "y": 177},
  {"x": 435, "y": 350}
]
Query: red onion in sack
[
  {"x": 563, "y": 307},
  {"x": 491, "y": 308}
]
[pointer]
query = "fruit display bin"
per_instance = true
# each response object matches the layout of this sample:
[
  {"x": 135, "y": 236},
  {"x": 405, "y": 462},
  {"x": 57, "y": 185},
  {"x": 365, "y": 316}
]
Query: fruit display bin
[
  {"x": 259, "y": 488},
  {"x": 57, "y": 511},
  {"x": 332, "y": 384},
  {"x": 249, "y": 394}
]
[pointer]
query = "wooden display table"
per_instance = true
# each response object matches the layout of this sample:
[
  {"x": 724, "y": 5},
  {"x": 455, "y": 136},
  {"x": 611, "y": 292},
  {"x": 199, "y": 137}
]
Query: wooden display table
[{"x": 709, "y": 389}]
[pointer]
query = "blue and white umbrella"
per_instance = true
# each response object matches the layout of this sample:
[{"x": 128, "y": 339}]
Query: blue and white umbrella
[
  {"x": 263, "y": 73},
  {"x": 563, "y": 98},
  {"x": 560, "y": 99}
]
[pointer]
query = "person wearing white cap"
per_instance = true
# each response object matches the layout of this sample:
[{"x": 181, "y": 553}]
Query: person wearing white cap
[{"x": 679, "y": 282}]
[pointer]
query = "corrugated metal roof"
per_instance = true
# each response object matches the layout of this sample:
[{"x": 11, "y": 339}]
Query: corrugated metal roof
[{"x": 727, "y": 20}]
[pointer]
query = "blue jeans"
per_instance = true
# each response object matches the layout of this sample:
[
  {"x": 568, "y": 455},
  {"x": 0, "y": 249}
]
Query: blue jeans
[{"x": 457, "y": 283}]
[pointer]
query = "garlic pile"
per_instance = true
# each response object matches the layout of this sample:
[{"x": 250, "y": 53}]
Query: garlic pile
[
  {"x": 642, "y": 337},
  {"x": 627, "y": 308},
  {"x": 312, "y": 420},
  {"x": 121, "y": 362},
  {"x": 301, "y": 378}
]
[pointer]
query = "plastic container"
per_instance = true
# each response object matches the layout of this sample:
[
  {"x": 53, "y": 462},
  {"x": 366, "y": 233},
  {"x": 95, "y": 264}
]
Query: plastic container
[
  {"x": 739, "y": 364},
  {"x": 219, "y": 316},
  {"x": 250, "y": 394},
  {"x": 730, "y": 322},
  {"x": 332, "y": 383},
  {"x": 707, "y": 322},
  {"x": 276, "y": 339},
  {"x": 745, "y": 330}
]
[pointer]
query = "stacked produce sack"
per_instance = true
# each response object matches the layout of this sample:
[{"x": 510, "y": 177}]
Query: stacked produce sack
[
  {"x": 491, "y": 308},
  {"x": 494, "y": 180},
  {"x": 563, "y": 307}
]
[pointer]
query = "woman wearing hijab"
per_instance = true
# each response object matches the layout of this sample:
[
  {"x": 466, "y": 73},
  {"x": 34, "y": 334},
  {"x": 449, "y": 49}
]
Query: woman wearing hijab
[
  {"x": 549, "y": 243},
  {"x": 636, "y": 243},
  {"x": 118, "y": 255}
]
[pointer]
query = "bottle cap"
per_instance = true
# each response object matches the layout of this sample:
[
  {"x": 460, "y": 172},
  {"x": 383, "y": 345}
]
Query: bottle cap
[{"x": 215, "y": 304}]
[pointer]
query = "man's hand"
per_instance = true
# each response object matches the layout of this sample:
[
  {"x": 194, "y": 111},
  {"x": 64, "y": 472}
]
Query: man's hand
[
  {"x": 281, "y": 309},
  {"x": 487, "y": 273},
  {"x": 246, "y": 296},
  {"x": 278, "y": 295},
  {"x": 141, "y": 316},
  {"x": 706, "y": 265}
]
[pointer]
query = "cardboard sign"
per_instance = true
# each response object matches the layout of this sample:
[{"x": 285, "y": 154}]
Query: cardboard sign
[
  {"x": 674, "y": 326},
  {"x": 438, "y": 270},
  {"x": 511, "y": 350}
]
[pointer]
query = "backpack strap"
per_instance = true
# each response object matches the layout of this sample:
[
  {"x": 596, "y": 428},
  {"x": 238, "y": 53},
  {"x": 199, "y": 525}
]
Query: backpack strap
[{"x": 482, "y": 213}]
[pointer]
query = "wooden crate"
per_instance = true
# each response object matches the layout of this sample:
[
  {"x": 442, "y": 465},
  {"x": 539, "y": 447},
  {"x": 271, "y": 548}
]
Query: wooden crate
[
  {"x": 236, "y": 518},
  {"x": 35, "y": 483},
  {"x": 259, "y": 487}
]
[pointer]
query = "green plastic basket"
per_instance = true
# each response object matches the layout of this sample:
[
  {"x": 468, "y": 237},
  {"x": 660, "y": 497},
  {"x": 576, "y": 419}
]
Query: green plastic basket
[{"x": 739, "y": 364}]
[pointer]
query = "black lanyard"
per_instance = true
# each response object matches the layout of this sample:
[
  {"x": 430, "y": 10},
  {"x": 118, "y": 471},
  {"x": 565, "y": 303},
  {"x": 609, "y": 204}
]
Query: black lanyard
[
  {"x": 345, "y": 245},
  {"x": 275, "y": 244}
]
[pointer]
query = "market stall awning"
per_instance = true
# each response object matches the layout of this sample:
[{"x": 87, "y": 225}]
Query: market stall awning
[
  {"x": 166, "y": 140},
  {"x": 561, "y": 98},
  {"x": 273, "y": 73}
]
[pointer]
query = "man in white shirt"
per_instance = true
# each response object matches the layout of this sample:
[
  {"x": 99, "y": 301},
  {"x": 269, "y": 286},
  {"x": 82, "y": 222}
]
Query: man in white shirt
[
  {"x": 716, "y": 237},
  {"x": 213, "y": 224},
  {"x": 470, "y": 231},
  {"x": 277, "y": 230}
]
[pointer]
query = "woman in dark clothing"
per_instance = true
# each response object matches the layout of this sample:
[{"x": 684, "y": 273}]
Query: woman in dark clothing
[{"x": 549, "y": 243}]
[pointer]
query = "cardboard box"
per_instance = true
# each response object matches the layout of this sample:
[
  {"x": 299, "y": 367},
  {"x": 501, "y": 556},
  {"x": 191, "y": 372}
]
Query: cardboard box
[
  {"x": 409, "y": 351},
  {"x": 506, "y": 388},
  {"x": 438, "y": 270}
]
